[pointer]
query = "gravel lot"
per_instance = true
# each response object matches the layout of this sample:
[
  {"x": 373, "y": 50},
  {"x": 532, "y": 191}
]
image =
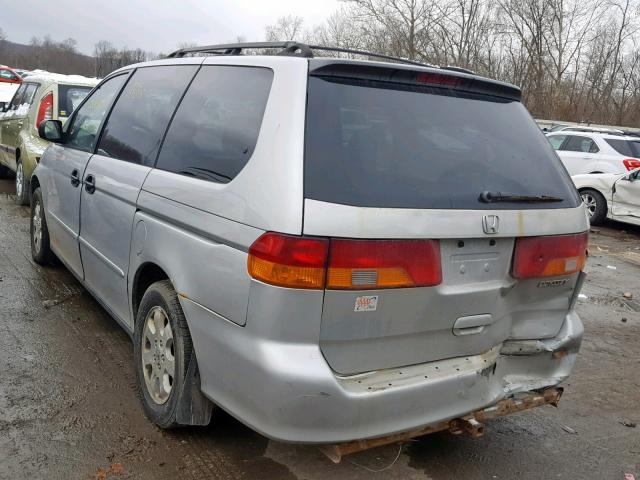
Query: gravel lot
[{"x": 68, "y": 407}]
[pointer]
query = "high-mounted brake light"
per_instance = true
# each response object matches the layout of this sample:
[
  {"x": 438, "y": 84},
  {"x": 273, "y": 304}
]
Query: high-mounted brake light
[
  {"x": 537, "y": 257},
  {"x": 45, "y": 110},
  {"x": 367, "y": 264},
  {"x": 439, "y": 79},
  {"x": 631, "y": 163},
  {"x": 309, "y": 262}
]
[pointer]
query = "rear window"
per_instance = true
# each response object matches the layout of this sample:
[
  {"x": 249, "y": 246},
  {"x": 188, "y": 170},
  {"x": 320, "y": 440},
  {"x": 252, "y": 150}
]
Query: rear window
[
  {"x": 69, "y": 97},
  {"x": 380, "y": 144},
  {"x": 628, "y": 148}
]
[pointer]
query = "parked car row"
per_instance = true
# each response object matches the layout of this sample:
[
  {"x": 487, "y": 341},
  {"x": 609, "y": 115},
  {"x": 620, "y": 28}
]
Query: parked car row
[
  {"x": 10, "y": 80},
  {"x": 288, "y": 238},
  {"x": 40, "y": 97}
]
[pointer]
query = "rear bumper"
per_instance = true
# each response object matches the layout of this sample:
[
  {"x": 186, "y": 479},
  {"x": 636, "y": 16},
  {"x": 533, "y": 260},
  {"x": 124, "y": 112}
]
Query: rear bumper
[{"x": 287, "y": 391}]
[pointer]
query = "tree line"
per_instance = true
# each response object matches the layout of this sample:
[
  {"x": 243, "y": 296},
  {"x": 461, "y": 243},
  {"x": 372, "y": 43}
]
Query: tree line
[{"x": 575, "y": 60}]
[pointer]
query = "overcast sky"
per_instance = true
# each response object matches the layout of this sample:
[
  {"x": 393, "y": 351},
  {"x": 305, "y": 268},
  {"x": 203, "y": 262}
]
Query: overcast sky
[{"x": 156, "y": 26}]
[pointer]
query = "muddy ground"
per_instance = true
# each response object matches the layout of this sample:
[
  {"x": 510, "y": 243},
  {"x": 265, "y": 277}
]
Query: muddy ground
[{"x": 68, "y": 409}]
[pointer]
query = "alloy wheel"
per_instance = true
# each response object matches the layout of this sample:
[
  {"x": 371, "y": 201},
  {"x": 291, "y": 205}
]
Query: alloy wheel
[
  {"x": 19, "y": 180},
  {"x": 158, "y": 355},
  {"x": 590, "y": 202},
  {"x": 37, "y": 226}
]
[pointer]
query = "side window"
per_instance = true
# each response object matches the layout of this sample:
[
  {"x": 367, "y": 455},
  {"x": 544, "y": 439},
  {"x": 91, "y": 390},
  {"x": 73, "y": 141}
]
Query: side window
[
  {"x": 556, "y": 141},
  {"x": 137, "y": 123},
  {"x": 215, "y": 129},
  {"x": 581, "y": 144},
  {"x": 17, "y": 97},
  {"x": 83, "y": 131},
  {"x": 29, "y": 94},
  {"x": 7, "y": 75}
]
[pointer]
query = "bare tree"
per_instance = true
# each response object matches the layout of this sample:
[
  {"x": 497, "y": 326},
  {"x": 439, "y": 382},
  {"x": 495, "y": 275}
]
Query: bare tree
[{"x": 286, "y": 28}]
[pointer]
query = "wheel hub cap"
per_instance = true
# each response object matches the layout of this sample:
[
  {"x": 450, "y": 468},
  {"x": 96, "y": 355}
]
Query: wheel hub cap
[
  {"x": 37, "y": 225},
  {"x": 590, "y": 203},
  {"x": 158, "y": 360},
  {"x": 19, "y": 180}
]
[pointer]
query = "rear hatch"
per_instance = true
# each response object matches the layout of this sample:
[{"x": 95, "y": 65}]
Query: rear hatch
[{"x": 426, "y": 182}]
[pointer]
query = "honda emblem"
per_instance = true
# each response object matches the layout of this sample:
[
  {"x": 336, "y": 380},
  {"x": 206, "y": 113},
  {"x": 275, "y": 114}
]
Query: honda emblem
[{"x": 491, "y": 224}]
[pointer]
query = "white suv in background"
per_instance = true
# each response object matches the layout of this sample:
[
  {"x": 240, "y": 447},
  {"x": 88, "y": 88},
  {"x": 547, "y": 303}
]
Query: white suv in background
[{"x": 591, "y": 152}]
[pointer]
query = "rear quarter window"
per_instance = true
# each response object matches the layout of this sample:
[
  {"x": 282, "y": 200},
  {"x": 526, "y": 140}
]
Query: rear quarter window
[
  {"x": 628, "y": 148},
  {"x": 69, "y": 97},
  {"x": 215, "y": 129}
]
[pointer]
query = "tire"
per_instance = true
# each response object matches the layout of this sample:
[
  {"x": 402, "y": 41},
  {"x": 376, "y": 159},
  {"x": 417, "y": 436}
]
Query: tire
[
  {"x": 40, "y": 247},
  {"x": 22, "y": 187},
  {"x": 596, "y": 205},
  {"x": 161, "y": 397}
]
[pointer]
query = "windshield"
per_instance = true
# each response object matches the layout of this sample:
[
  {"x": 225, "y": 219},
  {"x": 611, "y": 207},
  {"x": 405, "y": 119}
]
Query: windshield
[
  {"x": 377, "y": 144},
  {"x": 69, "y": 97},
  {"x": 628, "y": 148}
]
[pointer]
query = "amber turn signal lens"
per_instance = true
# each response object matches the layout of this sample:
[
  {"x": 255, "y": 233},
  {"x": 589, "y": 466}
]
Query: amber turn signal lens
[{"x": 288, "y": 261}]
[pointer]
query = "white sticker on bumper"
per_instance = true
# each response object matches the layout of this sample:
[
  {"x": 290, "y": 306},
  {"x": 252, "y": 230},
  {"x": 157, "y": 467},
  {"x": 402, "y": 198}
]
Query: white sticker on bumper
[{"x": 366, "y": 304}]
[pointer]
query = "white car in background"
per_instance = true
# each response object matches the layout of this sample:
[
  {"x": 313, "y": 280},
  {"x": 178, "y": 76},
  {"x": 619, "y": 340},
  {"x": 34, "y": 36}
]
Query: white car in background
[
  {"x": 592, "y": 152},
  {"x": 610, "y": 195}
]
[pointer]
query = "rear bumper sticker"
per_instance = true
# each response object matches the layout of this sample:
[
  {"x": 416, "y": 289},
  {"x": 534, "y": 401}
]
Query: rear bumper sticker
[{"x": 366, "y": 304}]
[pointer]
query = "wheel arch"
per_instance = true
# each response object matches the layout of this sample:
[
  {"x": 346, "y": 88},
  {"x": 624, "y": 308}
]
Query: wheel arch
[{"x": 146, "y": 274}]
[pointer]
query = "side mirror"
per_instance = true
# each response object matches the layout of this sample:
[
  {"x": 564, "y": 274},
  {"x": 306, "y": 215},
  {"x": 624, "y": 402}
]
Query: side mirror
[
  {"x": 51, "y": 130},
  {"x": 4, "y": 107}
]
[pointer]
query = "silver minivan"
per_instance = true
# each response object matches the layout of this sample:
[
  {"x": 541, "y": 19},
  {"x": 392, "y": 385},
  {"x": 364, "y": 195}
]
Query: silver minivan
[{"x": 328, "y": 249}]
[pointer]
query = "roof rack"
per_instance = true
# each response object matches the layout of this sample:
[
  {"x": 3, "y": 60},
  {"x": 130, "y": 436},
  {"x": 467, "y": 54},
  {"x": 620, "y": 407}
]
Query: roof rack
[{"x": 286, "y": 48}]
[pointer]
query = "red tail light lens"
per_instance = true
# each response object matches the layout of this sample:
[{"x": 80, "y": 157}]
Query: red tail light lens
[
  {"x": 631, "y": 163},
  {"x": 288, "y": 261},
  {"x": 307, "y": 262},
  {"x": 367, "y": 264},
  {"x": 536, "y": 257},
  {"x": 45, "y": 110}
]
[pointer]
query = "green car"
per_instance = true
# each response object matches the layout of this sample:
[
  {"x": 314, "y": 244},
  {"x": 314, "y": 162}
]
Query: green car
[{"x": 42, "y": 96}]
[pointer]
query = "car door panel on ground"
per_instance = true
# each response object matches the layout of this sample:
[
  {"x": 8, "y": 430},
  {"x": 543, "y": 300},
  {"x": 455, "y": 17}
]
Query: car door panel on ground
[
  {"x": 68, "y": 163},
  {"x": 126, "y": 152}
]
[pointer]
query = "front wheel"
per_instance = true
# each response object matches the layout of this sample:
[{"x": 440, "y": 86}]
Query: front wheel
[
  {"x": 596, "y": 205},
  {"x": 162, "y": 349},
  {"x": 40, "y": 247},
  {"x": 22, "y": 196}
]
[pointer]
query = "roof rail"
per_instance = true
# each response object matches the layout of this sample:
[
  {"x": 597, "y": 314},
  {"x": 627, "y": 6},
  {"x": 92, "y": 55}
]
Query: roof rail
[{"x": 286, "y": 48}]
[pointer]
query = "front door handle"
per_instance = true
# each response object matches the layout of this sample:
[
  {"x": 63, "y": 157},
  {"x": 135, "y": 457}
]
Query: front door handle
[
  {"x": 90, "y": 184},
  {"x": 75, "y": 177}
]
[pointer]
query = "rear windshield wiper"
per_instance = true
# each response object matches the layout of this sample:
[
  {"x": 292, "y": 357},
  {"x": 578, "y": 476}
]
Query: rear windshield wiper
[
  {"x": 491, "y": 197},
  {"x": 206, "y": 174}
]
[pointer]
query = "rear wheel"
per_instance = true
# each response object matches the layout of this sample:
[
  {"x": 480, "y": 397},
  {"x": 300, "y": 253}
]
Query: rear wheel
[
  {"x": 162, "y": 349},
  {"x": 22, "y": 197},
  {"x": 596, "y": 205},
  {"x": 40, "y": 248}
]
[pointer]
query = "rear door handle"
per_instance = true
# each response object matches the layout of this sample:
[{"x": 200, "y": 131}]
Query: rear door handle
[
  {"x": 75, "y": 177},
  {"x": 90, "y": 184}
]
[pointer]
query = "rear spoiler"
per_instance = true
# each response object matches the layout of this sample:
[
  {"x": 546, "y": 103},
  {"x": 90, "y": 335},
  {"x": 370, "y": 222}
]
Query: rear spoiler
[{"x": 411, "y": 75}]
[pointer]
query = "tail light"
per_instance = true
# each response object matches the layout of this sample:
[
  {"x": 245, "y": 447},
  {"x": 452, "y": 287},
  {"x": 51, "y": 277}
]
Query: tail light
[
  {"x": 287, "y": 261},
  {"x": 631, "y": 163},
  {"x": 307, "y": 262},
  {"x": 45, "y": 110},
  {"x": 536, "y": 257},
  {"x": 365, "y": 264}
]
